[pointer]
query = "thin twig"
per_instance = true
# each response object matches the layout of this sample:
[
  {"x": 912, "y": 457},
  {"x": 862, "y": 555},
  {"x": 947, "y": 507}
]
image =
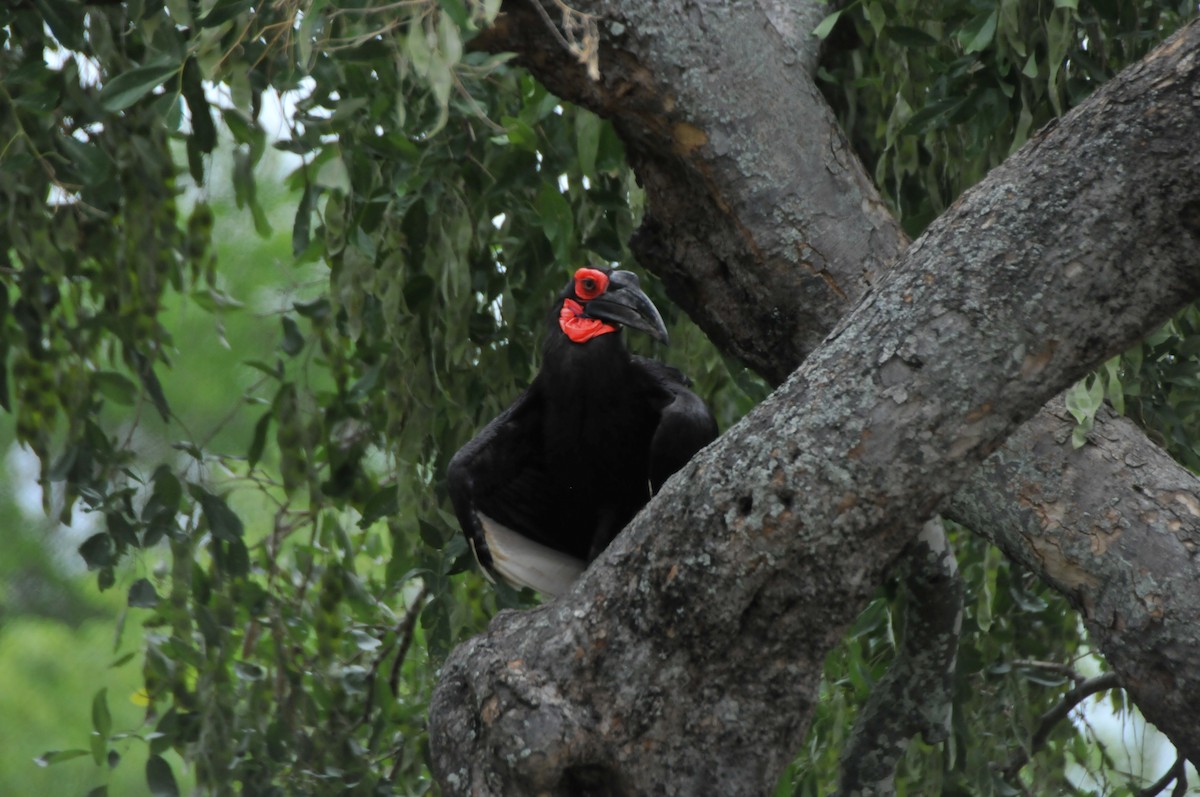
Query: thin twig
[
  {"x": 405, "y": 631},
  {"x": 1052, "y": 666},
  {"x": 1049, "y": 720},
  {"x": 545, "y": 15},
  {"x": 1176, "y": 773}
]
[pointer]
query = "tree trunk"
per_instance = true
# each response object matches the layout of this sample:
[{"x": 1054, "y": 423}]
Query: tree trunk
[
  {"x": 846, "y": 221},
  {"x": 687, "y": 659}
]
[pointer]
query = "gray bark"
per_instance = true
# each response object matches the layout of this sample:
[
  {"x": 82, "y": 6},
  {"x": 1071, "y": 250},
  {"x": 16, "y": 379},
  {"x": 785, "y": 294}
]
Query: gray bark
[
  {"x": 824, "y": 174},
  {"x": 754, "y": 208},
  {"x": 705, "y": 625},
  {"x": 1114, "y": 526}
]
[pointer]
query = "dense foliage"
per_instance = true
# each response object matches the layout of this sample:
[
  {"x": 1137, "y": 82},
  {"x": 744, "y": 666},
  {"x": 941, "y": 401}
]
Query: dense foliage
[{"x": 310, "y": 575}]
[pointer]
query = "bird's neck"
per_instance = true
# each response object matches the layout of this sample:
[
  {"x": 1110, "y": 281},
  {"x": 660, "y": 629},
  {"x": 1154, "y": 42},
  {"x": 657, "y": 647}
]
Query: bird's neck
[{"x": 594, "y": 366}]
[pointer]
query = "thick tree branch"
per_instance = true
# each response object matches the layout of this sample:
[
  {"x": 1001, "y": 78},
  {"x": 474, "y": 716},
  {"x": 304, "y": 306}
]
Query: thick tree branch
[
  {"x": 747, "y": 205},
  {"x": 1115, "y": 527},
  {"x": 636, "y": 91},
  {"x": 1070, "y": 250}
]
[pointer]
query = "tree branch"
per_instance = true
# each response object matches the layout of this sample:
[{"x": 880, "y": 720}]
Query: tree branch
[
  {"x": 1048, "y": 721},
  {"x": 705, "y": 633},
  {"x": 711, "y": 235},
  {"x": 1176, "y": 774},
  {"x": 1114, "y": 526}
]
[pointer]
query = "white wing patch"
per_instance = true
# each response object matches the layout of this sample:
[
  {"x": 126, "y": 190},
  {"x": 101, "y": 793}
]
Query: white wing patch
[{"x": 524, "y": 563}]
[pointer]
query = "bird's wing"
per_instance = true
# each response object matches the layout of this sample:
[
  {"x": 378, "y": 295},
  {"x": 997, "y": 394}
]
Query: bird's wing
[
  {"x": 498, "y": 485},
  {"x": 685, "y": 423},
  {"x": 523, "y": 562}
]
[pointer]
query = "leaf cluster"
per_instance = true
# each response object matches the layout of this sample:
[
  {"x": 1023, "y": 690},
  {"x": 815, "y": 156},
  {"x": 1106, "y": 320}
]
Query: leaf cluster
[
  {"x": 299, "y": 588},
  {"x": 934, "y": 95}
]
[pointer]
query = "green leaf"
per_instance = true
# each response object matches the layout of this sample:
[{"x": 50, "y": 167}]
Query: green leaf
[
  {"x": 1084, "y": 398},
  {"x": 587, "y": 141},
  {"x": 877, "y": 17},
  {"x": 91, "y": 163},
  {"x": 58, "y": 756},
  {"x": 293, "y": 339},
  {"x": 204, "y": 132},
  {"x": 98, "y": 551},
  {"x": 302, "y": 225},
  {"x": 558, "y": 222},
  {"x": 273, "y": 371},
  {"x": 824, "y": 28},
  {"x": 932, "y": 116},
  {"x": 101, "y": 718},
  {"x": 1030, "y": 70},
  {"x": 979, "y": 32},
  {"x": 145, "y": 370},
  {"x": 195, "y": 159},
  {"x": 142, "y": 594},
  {"x": 248, "y": 671},
  {"x": 225, "y": 10},
  {"x": 236, "y": 558},
  {"x": 259, "y": 441},
  {"x": 906, "y": 36},
  {"x": 65, "y": 20},
  {"x": 365, "y": 641},
  {"x": 160, "y": 778},
  {"x": 383, "y": 503},
  {"x": 417, "y": 291},
  {"x": 127, "y": 88},
  {"x": 987, "y": 590},
  {"x": 164, "y": 500},
  {"x": 214, "y": 300},
  {"x": 416, "y": 45},
  {"x": 222, "y": 521},
  {"x": 433, "y": 536},
  {"x": 101, "y": 726},
  {"x": 449, "y": 40},
  {"x": 115, "y": 387},
  {"x": 365, "y": 383},
  {"x": 317, "y": 310},
  {"x": 519, "y": 133},
  {"x": 456, "y": 10}
]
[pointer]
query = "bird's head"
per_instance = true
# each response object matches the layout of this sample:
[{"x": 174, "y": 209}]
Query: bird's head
[{"x": 600, "y": 300}]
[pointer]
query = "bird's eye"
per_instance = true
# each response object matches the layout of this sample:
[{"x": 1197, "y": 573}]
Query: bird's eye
[{"x": 590, "y": 283}]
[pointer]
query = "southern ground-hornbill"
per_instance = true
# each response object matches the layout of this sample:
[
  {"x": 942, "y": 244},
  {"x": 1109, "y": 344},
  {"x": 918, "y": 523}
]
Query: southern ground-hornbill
[{"x": 545, "y": 487}]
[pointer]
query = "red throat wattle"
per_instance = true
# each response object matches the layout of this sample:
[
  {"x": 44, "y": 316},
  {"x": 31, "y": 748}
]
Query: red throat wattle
[{"x": 579, "y": 328}]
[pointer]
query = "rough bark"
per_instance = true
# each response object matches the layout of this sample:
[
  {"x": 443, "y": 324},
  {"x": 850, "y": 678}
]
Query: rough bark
[
  {"x": 747, "y": 202},
  {"x": 706, "y": 623},
  {"x": 1130, "y": 562},
  {"x": 799, "y": 125}
]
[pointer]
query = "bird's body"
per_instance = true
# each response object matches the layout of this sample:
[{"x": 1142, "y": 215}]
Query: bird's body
[{"x": 548, "y": 484}]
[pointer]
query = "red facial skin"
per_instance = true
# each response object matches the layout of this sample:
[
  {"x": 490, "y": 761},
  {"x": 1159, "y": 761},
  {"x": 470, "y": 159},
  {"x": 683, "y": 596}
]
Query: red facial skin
[{"x": 589, "y": 283}]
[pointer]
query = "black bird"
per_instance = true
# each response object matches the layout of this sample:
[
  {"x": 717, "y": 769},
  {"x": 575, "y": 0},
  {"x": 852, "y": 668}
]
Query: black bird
[{"x": 547, "y": 485}]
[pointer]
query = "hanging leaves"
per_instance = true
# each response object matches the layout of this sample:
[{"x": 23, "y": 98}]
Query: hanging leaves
[{"x": 127, "y": 88}]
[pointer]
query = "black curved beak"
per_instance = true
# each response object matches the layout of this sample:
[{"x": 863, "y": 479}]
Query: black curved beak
[{"x": 624, "y": 303}]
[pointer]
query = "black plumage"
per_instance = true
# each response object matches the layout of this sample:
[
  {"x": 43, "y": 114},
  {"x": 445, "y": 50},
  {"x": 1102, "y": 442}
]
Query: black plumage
[{"x": 548, "y": 484}]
